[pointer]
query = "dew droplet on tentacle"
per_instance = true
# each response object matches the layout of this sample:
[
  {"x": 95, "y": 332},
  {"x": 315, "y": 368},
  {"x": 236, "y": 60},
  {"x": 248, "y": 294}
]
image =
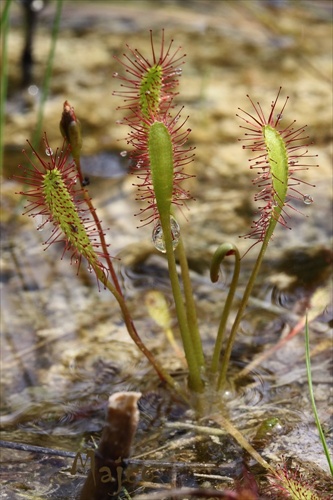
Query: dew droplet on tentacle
[
  {"x": 48, "y": 151},
  {"x": 40, "y": 221},
  {"x": 307, "y": 199},
  {"x": 158, "y": 237}
]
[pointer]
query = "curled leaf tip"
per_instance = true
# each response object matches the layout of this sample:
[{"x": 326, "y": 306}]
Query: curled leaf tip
[
  {"x": 222, "y": 251},
  {"x": 70, "y": 129}
]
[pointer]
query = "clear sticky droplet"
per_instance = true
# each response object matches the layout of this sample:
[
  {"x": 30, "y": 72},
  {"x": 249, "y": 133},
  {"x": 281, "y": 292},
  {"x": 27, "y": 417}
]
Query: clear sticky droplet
[
  {"x": 182, "y": 195},
  {"x": 178, "y": 71},
  {"x": 279, "y": 116},
  {"x": 123, "y": 154},
  {"x": 158, "y": 237},
  {"x": 115, "y": 74},
  {"x": 48, "y": 151},
  {"x": 307, "y": 199},
  {"x": 40, "y": 221}
]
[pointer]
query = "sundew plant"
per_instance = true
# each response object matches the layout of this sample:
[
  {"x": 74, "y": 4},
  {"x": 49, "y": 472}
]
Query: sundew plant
[{"x": 157, "y": 141}]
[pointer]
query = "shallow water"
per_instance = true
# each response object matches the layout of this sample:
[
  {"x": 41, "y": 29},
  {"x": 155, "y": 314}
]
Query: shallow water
[{"x": 64, "y": 344}]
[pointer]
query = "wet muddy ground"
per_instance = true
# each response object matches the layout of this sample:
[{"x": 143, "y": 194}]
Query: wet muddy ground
[{"x": 65, "y": 348}]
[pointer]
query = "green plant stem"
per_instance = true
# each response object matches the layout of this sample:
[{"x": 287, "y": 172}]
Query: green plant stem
[
  {"x": 4, "y": 75},
  {"x": 313, "y": 402},
  {"x": 227, "y": 307},
  {"x": 161, "y": 157},
  {"x": 190, "y": 304},
  {"x": 48, "y": 74},
  {"x": 195, "y": 381},
  {"x": 242, "y": 306}
]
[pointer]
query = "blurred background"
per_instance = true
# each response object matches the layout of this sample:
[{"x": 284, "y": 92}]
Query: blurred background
[{"x": 63, "y": 341}]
